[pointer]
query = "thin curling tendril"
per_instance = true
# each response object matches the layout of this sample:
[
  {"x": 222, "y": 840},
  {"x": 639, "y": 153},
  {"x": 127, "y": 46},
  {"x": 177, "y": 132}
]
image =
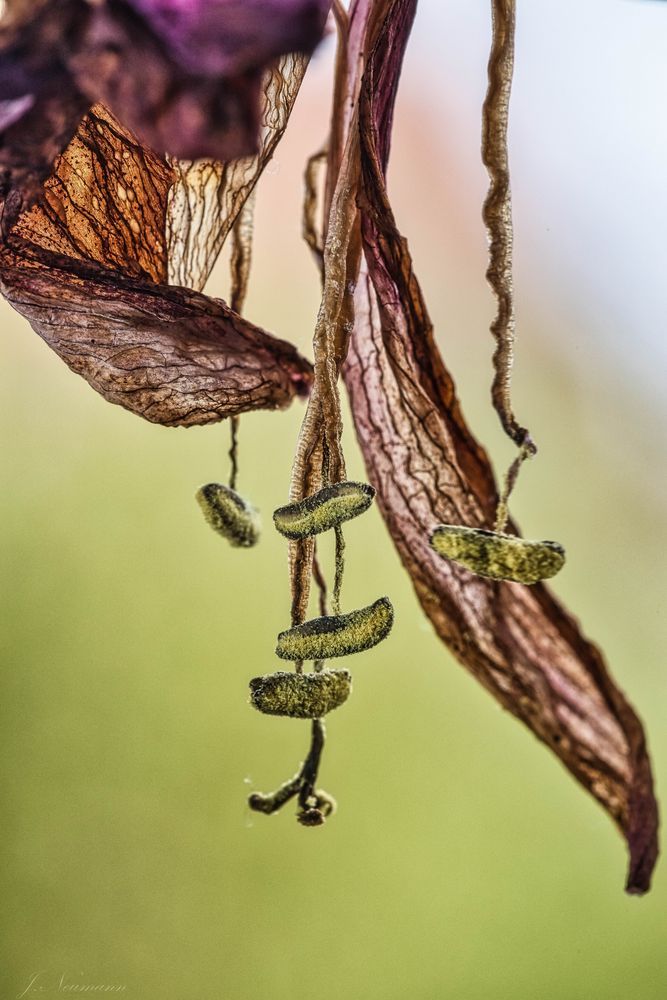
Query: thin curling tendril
[{"x": 497, "y": 215}]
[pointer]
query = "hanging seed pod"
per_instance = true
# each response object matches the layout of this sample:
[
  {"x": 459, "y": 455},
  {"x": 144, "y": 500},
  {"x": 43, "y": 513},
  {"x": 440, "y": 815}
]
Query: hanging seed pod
[
  {"x": 325, "y": 509},
  {"x": 337, "y": 635},
  {"x": 300, "y": 696},
  {"x": 229, "y": 514},
  {"x": 496, "y": 555}
]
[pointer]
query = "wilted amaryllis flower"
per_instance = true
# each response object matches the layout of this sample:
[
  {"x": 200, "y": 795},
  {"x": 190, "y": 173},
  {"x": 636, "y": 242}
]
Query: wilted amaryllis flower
[
  {"x": 108, "y": 266},
  {"x": 111, "y": 223}
]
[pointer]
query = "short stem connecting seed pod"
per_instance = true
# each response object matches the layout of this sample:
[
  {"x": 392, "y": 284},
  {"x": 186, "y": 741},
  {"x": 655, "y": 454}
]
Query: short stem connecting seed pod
[{"x": 496, "y": 555}]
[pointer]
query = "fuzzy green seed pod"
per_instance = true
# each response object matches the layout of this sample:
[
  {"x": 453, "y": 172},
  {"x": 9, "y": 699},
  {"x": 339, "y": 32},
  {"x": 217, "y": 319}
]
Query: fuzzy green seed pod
[
  {"x": 229, "y": 514},
  {"x": 496, "y": 555},
  {"x": 337, "y": 635},
  {"x": 325, "y": 509},
  {"x": 300, "y": 696}
]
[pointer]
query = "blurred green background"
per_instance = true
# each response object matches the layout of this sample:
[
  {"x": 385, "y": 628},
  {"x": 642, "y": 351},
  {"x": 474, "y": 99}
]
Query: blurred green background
[{"x": 463, "y": 862}]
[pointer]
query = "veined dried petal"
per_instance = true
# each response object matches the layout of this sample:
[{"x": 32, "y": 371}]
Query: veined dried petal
[
  {"x": 325, "y": 509},
  {"x": 496, "y": 555},
  {"x": 337, "y": 635},
  {"x": 229, "y": 514},
  {"x": 208, "y": 196},
  {"x": 300, "y": 696}
]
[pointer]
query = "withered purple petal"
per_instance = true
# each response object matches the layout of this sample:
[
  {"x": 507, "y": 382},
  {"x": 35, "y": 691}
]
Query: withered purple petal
[
  {"x": 228, "y": 37},
  {"x": 186, "y": 78}
]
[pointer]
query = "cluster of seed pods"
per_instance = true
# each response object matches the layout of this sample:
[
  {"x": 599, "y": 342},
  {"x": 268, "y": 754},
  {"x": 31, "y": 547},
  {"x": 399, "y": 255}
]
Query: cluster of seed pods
[
  {"x": 312, "y": 695},
  {"x": 297, "y": 694}
]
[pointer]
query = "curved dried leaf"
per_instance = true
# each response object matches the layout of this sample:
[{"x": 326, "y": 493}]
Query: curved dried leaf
[
  {"x": 170, "y": 355},
  {"x": 207, "y": 195},
  {"x": 427, "y": 468}
]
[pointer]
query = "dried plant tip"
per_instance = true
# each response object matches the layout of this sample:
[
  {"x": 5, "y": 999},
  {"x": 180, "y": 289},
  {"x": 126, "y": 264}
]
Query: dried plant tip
[
  {"x": 311, "y": 817},
  {"x": 337, "y": 635},
  {"x": 229, "y": 514},
  {"x": 498, "y": 556},
  {"x": 328, "y": 508},
  {"x": 300, "y": 696},
  {"x": 325, "y": 803}
]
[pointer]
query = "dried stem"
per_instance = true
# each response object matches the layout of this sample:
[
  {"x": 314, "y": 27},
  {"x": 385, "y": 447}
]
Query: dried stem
[
  {"x": 310, "y": 227},
  {"x": 511, "y": 476},
  {"x": 340, "y": 568},
  {"x": 240, "y": 261},
  {"x": 497, "y": 214},
  {"x": 241, "y": 256},
  {"x": 314, "y": 805},
  {"x": 233, "y": 452},
  {"x": 318, "y": 577}
]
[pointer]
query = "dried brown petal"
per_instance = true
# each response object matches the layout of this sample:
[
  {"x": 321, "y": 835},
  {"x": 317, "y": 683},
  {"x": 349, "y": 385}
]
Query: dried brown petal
[
  {"x": 87, "y": 265},
  {"x": 105, "y": 202},
  {"x": 207, "y": 196},
  {"x": 30, "y": 144},
  {"x": 427, "y": 468},
  {"x": 170, "y": 355}
]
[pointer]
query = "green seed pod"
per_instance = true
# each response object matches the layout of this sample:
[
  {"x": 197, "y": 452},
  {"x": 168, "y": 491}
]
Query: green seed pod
[
  {"x": 337, "y": 635},
  {"x": 325, "y": 509},
  {"x": 229, "y": 514},
  {"x": 496, "y": 555},
  {"x": 300, "y": 696}
]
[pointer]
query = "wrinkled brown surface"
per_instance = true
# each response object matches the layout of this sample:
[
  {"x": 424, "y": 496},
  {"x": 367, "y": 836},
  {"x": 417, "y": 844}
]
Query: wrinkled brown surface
[
  {"x": 87, "y": 267},
  {"x": 105, "y": 202},
  {"x": 427, "y": 468},
  {"x": 168, "y": 354}
]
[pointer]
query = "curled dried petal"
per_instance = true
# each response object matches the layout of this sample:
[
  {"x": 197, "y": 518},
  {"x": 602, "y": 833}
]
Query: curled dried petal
[
  {"x": 87, "y": 265},
  {"x": 426, "y": 466},
  {"x": 169, "y": 355}
]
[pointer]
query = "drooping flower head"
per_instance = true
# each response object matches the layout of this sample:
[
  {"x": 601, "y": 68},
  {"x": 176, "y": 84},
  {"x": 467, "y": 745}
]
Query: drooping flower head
[{"x": 92, "y": 97}]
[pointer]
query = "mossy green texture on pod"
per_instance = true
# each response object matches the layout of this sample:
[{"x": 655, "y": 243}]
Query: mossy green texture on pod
[
  {"x": 337, "y": 635},
  {"x": 326, "y": 509},
  {"x": 300, "y": 696},
  {"x": 498, "y": 556},
  {"x": 229, "y": 514}
]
